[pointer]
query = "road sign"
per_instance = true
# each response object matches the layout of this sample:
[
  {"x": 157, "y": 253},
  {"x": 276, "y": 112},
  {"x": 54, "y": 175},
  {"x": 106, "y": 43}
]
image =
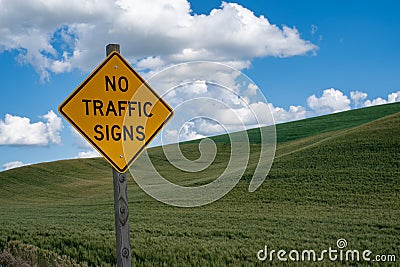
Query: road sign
[{"x": 116, "y": 111}]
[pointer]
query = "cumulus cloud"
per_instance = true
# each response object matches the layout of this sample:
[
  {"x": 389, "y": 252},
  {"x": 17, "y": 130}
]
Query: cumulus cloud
[
  {"x": 358, "y": 98},
  {"x": 58, "y": 36},
  {"x": 292, "y": 114},
  {"x": 216, "y": 110},
  {"x": 245, "y": 115},
  {"x": 197, "y": 88},
  {"x": 13, "y": 164},
  {"x": 252, "y": 89},
  {"x": 394, "y": 97},
  {"x": 88, "y": 154},
  {"x": 331, "y": 101},
  {"x": 375, "y": 102},
  {"x": 189, "y": 132},
  {"x": 391, "y": 98},
  {"x": 15, "y": 130}
]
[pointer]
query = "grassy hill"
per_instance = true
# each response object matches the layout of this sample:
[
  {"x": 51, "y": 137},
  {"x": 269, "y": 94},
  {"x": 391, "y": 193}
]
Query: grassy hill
[{"x": 336, "y": 176}]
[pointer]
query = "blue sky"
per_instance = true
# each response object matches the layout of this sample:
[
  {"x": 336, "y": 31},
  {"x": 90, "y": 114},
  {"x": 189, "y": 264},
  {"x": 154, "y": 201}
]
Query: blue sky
[{"x": 307, "y": 57}]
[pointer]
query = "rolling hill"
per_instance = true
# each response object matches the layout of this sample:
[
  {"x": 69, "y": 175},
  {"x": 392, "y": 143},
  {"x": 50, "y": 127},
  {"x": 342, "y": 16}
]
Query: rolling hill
[{"x": 333, "y": 177}]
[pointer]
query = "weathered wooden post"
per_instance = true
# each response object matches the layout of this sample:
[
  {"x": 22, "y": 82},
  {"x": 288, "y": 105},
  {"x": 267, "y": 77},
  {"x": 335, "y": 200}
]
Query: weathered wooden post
[
  {"x": 121, "y": 210},
  {"x": 121, "y": 219}
]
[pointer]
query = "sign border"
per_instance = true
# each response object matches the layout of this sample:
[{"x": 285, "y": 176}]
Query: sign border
[{"x": 83, "y": 84}]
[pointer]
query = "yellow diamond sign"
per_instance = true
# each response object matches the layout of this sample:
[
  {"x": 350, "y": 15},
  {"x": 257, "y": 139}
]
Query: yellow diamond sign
[{"x": 116, "y": 111}]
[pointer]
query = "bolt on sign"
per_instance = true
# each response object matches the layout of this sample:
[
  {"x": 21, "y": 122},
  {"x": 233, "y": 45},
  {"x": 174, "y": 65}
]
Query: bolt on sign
[{"x": 116, "y": 111}]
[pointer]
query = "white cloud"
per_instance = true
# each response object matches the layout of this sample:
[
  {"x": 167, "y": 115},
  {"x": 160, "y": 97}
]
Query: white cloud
[
  {"x": 246, "y": 116},
  {"x": 208, "y": 127},
  {"x": 210, "y": 99},
  {"x": 358, "y": 98},
  {"x": 189, "y": 132},
  {"x": 193, "y": 73},
  {"x": 394, "y": 97},
  {"x": 252, "y": 89},
  {"x": 170, "y": 136},
  {"x": 331, "y": 101},
  {"x": 13, "y": 164},
  {"x": 150, "y": 63},
  {"x": 53, "y": 127},
  {"x": 88, "y": 154},
  {"x": 58, "y": 36},
  {"x": 391, "y": 98},
  {"x": 15, "y": 130},
  {"x": 220, "y": 111},
  {"x": 282, "y": 115},
  {"x": 196, "y": 88},
  {"x": 376, "y": 101}
]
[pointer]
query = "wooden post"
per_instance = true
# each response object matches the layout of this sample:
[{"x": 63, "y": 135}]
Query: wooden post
[{"x": 121, "y": 206}]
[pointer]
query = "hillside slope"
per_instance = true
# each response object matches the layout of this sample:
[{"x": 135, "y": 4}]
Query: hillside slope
[
  {"x": 291, "y": 131},
  {"x": 326, "y": 185}
]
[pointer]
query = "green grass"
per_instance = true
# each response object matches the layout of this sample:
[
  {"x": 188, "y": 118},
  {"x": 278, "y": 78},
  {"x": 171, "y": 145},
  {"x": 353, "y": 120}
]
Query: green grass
[{"x": 335, "y": 176}]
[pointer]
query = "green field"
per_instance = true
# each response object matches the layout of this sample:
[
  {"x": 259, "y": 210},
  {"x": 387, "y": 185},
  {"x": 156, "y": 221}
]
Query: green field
[{"x": 335, "y": 176}]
